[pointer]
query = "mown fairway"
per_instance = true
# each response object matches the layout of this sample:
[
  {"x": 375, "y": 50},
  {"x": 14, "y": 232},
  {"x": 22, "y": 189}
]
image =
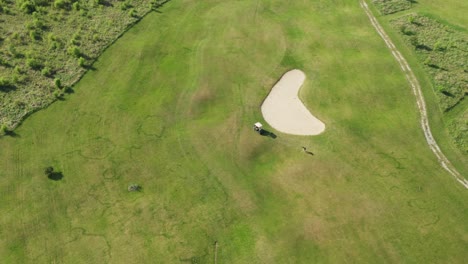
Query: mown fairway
[{"x": 170, "y": 106}]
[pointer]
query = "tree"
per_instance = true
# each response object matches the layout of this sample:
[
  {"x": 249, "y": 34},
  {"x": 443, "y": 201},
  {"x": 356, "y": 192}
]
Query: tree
[
  {"x": 3, "y": 130},
  {"x": 48, "y": 171},
  {"x": 52, "y": 174}
]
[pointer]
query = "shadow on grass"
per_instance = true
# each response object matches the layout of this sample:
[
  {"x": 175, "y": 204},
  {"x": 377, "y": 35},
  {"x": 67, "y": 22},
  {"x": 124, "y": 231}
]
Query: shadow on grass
[
  {"x": 7, "y": 88},
  {"x": 69, "y": 90},
  {"x": 159, "y": 5},
  {"x": 12, "y": 134},
  {"x": 267, "y": 133},
  {"x": 55, "y": 176}
]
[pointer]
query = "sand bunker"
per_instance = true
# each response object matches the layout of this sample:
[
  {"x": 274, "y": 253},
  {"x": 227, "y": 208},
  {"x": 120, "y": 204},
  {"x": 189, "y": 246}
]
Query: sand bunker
[{"x": 285, "y": 112}]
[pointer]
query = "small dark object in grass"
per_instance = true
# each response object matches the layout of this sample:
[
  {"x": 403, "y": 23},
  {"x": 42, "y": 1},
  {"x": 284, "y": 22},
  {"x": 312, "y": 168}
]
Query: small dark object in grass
[
  {"x": 134, "y": 188},
  {"x": 267, "y": 133},
  {"x": 306, "y": 151},
  {"x": 53, "y": 175}
]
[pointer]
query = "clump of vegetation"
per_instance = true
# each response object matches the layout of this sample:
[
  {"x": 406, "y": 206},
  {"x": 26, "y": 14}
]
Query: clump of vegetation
[
  {"x": 3, "y": 130},
  {"x": 58, "y": 83},
  {"x": 442, "y": 50},
  {"x": 134, "y": 187},
  {"x": 44, "y": 40},
  {"x": 392, "y": 6}
]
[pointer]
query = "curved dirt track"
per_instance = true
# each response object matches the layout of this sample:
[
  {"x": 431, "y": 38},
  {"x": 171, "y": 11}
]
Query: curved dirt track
[{"x": 444, "y": 162}]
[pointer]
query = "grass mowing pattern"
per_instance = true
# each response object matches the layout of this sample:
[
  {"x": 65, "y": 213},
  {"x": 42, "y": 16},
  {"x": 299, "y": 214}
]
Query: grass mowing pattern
[
  {"x": 46, "y": 46},
  {"x": 171, "y": 106}
]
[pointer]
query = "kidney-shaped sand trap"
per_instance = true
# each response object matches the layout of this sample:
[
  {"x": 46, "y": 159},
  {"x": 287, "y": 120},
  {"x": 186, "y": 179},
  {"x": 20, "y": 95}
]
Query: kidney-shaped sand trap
[{"x": 285, "y": 112}]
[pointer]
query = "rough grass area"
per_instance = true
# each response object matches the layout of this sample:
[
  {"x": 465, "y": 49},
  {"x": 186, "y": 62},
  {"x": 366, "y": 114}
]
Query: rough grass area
[
  {"x": 443, "y": 51},
  {"x": 46, "y": 46},
  {"x": 386, "y": 7}
]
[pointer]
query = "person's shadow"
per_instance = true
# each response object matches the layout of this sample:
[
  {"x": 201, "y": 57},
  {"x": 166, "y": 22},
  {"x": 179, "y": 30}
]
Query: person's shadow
[{"x": 307, "y": 152}]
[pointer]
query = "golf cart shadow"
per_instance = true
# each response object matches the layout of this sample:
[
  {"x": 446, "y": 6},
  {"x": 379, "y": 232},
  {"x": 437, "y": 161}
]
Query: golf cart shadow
[
  {"x": 267, "y": 133},
  {"x": 55, "y": 176}
]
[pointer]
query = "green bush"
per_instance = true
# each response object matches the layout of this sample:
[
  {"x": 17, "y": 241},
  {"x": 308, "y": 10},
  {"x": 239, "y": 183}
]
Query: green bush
[
  {"x": 27, "y": 7},
  {"x": 81, "y": 62},
  {"x": 3, "y": 130},
  {"x": 46, "y": 71},
  {"x": 4, "y": 82},
  {"x": 58, "y": 94},
  {"x": 12, "y": 51},
  {"x": 34, "y": 35},
  {"x": 132, "y": 12},
  {"x": 61, "y": 4},
  {"x": 34, "y": 63},
  {"x": 76, "y": 6},
  {"x": 18, "y": 69},
  {"x": 3, "y": 62},
  {"x": 38, "y": 23},
  {"x": 74, "y": 51},
  {"x": 125, "y": 5},
  {"x": 58, "y": 83}
]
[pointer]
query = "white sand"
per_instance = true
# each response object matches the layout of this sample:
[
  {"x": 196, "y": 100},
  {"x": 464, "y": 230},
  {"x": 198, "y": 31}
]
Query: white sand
[{"x": 285, "y": 112}]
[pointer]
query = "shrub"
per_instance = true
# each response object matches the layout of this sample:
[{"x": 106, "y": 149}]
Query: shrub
[
  {"x": 54, "y": 45},
  {"x": 30, "y": 25},
  {"x": 439, "y": 46},
  {"x": 28, "y": 7},
  {"x": 58, "y": 83},
  {"x": 132, "y": 12},
  {"x": 61, "y": 4},
  {"x": 38, "y": 23},
  {"x": 4, "y": 82},
  {"x": 58, "y": 94},
  {"x": 51, "y": 37},
  {"x": 74, "y": 51},
  {"x": 3, "y": 130},
  {"x": 12, "y": 51},
  {"x": 81, "y": 62},
  {"x": 34, "y": 63},
  {"x": 76, "y": 6},
  {"x": 34, "y": 35},
  {"x": 18, "y": 69},
  {"x": 3, "y": 62},
  {"x": 46, "y": 71},
  {"x": 125, "y": 5},
  {"x": 17, "y": 78}
]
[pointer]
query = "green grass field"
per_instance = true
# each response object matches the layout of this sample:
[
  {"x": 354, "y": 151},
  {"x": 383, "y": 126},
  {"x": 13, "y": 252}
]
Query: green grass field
[{"x": 170, "y": 107}]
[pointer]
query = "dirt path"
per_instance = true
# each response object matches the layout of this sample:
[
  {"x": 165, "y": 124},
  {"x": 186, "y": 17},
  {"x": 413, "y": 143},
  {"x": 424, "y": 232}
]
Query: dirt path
[{"x": 444, "y": 162}]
